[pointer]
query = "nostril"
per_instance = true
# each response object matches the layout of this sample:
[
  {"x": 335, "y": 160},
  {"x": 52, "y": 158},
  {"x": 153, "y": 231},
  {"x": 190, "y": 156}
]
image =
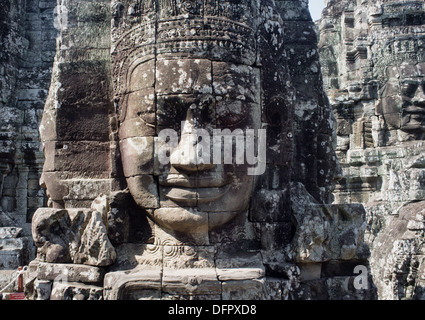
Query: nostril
[
  {"x": 189, "y": 159},
  {"x": 182, "y": 158},
  {"x": 192, "y": 167},
  {"x": 185, "y": 167},
  {"x": 192, "y": 153}
]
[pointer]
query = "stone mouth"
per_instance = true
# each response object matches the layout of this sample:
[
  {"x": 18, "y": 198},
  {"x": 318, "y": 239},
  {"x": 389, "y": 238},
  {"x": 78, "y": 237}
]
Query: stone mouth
[
  {"x": 193, "y": 182},
  {"x": 194, "y": 196}
]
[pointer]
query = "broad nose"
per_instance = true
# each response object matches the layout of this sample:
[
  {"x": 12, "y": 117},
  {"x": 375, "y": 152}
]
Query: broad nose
[
  {"x": 193, "y": 151},
  {"x": 419, "y": 98}
]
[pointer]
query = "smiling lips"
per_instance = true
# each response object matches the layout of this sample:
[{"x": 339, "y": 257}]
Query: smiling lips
[{"x": 190, "y": 191}]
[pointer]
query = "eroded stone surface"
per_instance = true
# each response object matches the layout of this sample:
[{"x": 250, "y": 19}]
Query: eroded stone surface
[
  {"x": 77, "y": 236},
  {"x": 69, "y": 272},
  {"x": 372, "y": 57}
]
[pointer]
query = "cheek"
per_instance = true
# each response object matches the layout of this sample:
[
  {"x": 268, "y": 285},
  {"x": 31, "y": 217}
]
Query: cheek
[
  {"x": 137, "y": 155},
  {"x": 56, "y": 189}
]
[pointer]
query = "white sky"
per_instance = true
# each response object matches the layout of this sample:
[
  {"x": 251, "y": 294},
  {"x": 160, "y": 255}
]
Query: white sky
[{"x": 316, "y": 7}]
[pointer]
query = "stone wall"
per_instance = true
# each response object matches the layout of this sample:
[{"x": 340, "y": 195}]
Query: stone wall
[
  {"x": 373, "y": 64},
  {"x": 28, "y": 42}
]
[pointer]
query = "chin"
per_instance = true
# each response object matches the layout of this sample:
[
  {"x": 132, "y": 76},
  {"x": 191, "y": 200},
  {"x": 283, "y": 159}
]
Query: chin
[{"x": 191, "y": 220}]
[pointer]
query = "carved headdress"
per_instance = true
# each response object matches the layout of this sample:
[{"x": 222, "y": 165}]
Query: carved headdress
[{"x": 219, "y": 30}]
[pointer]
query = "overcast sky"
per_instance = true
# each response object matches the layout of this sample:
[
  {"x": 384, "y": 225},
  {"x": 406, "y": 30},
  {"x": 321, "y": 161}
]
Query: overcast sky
[{"x": 316, "y": 7}]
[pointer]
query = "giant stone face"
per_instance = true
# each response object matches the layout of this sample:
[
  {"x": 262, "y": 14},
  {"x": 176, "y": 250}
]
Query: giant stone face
[
  {"x": 403, "y": 99},
  {"x": 185, "y": 74},
  {"x": 188, "y": 95}
]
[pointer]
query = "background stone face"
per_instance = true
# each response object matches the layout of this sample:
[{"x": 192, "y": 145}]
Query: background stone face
[
  {"x": 28, "y": 46},
  {"x": 372, "y": 55}
]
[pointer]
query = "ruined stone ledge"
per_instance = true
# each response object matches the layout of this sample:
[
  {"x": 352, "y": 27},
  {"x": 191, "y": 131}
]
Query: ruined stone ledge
[
  {"x": 75, "y": 291},
  {"x": 200, "y": 283},
  {"x": 10, "y": 232},
  {"x": 69, "y": 272}
]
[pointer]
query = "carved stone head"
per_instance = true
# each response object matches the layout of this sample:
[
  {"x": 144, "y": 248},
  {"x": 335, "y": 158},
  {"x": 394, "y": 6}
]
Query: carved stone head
[
  {"x": 402, "y": 103},
  {"x": 187, "y": 77}
]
